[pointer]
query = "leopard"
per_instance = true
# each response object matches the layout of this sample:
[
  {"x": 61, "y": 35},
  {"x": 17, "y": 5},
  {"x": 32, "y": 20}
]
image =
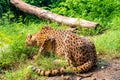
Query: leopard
[{"x": 79, "y": 52}]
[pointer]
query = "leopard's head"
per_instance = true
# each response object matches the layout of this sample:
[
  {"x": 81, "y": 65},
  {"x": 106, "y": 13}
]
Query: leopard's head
[
  {"x": 30, "y": 40},
  {"x": 39, "y": 37},
  {"x": 45, "y": 30}
]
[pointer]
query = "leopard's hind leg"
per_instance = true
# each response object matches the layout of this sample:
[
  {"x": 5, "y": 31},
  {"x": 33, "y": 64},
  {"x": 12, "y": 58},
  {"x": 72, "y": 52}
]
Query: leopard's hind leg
[{"x": 84, "y": 68}]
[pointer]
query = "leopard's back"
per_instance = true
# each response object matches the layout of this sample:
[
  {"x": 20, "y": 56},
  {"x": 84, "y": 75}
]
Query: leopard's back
[
  {"x": 40, "y": 37},
  {"x": 59, "y": 36},
  {"x": 80, "y": 50}
]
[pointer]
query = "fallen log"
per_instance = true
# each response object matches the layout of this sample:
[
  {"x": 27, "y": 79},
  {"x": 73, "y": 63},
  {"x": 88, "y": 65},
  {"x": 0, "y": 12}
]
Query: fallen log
[{"x": 45, "y": 14}]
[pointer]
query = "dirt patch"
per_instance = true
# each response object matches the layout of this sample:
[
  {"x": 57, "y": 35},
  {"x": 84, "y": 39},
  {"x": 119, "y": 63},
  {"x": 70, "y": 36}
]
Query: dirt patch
[{"x": 105, "y": 70}]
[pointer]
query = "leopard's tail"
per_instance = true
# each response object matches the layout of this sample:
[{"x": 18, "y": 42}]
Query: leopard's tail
[
  {"x": 48, "y": 72},
  {"x": 85, "y": 67},
  {"x": 82, "y": 68}
]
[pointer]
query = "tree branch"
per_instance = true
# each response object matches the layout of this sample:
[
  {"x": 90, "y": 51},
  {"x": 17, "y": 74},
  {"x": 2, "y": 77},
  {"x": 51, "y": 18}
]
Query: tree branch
[{"x": 45, "y": 14}]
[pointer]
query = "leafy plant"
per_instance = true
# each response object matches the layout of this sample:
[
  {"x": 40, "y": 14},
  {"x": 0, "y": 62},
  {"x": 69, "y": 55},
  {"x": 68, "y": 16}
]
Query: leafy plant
[
  {"x": 15, "y": 25},
  {"x": 108, "y": 43}
]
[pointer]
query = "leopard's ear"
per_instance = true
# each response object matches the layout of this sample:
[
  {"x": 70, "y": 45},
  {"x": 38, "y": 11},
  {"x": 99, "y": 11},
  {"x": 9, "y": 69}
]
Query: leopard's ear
[
  {"x": 47, "y": 28},
  {"x": 30, "y": 36}
]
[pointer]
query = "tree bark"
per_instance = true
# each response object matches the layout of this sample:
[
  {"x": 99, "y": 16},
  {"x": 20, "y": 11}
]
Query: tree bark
[{"x": 45, "y": 14}]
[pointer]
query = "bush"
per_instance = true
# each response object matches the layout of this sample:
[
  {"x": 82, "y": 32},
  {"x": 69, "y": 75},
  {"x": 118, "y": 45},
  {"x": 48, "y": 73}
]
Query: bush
[
  {"x": 108, "y": 43},
  {"x": 5, "y": 5},
  {"x": 13, "y": 35},
  {"x": 94, "y": 10},
  {"x": 44, "y": 3}
]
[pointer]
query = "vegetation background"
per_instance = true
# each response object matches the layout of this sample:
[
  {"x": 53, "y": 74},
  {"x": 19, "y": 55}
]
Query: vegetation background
[{"x": 15, "y": 25}]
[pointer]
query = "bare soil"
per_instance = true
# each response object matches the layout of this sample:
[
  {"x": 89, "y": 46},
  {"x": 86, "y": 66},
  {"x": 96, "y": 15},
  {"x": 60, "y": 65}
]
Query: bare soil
[{"x": 105, "y": 70}]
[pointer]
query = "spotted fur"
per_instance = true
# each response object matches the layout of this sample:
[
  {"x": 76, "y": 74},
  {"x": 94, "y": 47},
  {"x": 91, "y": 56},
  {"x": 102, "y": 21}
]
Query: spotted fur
[{"x": 79, "y": 52}]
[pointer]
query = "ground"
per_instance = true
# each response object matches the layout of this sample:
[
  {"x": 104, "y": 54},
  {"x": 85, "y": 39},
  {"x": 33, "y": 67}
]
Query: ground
[
  {"x": 107, "y": 70},
  {"x": 15, "y": 57}
]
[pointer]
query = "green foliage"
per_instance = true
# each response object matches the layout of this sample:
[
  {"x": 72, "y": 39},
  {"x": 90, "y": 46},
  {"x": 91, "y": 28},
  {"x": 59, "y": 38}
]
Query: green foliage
[
  {"x": 44, "y": 60},
  {"x": 108, "y": 43},
  {"x": 90, "y": 9},
  {"x": 95, "y": 10},
  {"x": 1, "y": 11},
  {"x": 25, "y": 73},
  {"x": 115, "y": 23},
  {"x": 14, "y": 39},
  {"x": 88, "y": 32},
  {"x": 5, "y": 5},
  {"x": 44, "y": 3},
  {"x": 99, "y": 11},
  {"x": 22, "y": 74},
  {"x": 15, "y": 25}
]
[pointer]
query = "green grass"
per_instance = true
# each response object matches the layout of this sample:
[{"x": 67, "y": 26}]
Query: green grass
[
  {"x": 16, "y": 54},
  {"x": 23, "y": 72},
  {"x": 14, "y": 27},
  {"x": 14, "y": 59},
  {"x": 108, "y": 43}
]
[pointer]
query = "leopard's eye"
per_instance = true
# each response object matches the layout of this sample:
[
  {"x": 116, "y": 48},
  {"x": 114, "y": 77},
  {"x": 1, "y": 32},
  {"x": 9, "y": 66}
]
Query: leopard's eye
[{"x": 30, "y": 36}]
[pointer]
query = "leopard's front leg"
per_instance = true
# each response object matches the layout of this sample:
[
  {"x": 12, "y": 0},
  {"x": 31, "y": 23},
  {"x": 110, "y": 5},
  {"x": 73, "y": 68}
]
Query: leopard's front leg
[
  {"x": 41, "y": 51},
  {"x": 45, "y": 47},
  {"x": 68, "y": 61}
]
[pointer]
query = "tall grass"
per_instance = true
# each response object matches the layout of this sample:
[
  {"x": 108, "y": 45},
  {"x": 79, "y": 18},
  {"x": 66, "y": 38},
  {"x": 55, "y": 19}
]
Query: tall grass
[
  {"x": 15, "y": 57},
  {"x": 12, "y": 40},
  {"x": 108, "y": 43}
]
